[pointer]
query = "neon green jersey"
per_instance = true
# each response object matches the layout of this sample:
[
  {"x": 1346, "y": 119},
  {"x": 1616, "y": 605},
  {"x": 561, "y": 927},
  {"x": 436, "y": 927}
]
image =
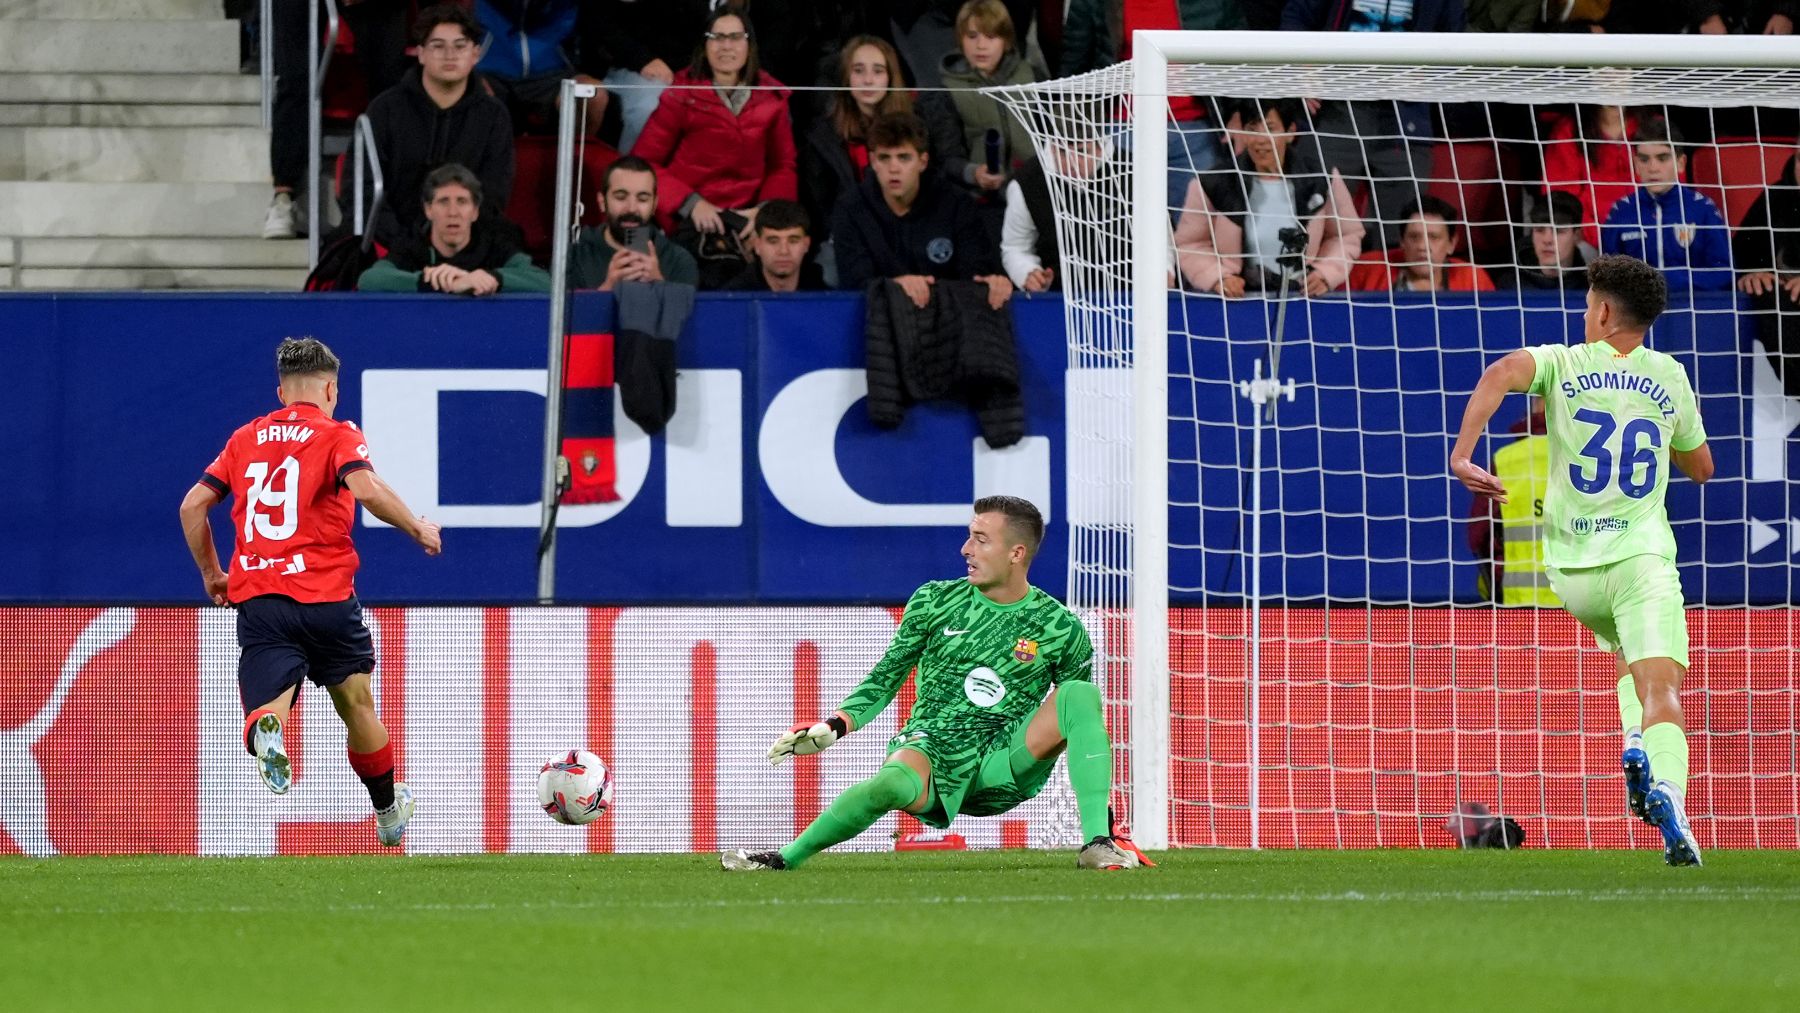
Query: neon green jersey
[
  {"x": 982, "y": 666},
  {"x": 1612, "y": 420}
]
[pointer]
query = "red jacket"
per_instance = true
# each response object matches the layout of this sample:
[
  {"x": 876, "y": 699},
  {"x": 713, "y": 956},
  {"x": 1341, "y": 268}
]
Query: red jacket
[
  {"x": 733, "y": 161},
  {"x": 1379, "y": 270},
  {"x": 1598, "y": 173}
]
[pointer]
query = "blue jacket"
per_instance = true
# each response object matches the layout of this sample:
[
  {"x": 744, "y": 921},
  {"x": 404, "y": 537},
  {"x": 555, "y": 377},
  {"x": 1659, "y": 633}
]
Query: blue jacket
[
  {"x": 526, "y": 38},
  {"x": 1678, "y": 232}
]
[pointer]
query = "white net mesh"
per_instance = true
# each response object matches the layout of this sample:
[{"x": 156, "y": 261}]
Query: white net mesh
[{"x": 1399, "y": 672}]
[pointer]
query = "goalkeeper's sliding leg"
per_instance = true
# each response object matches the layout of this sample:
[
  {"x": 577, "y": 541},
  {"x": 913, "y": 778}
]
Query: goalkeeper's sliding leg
[{"x": 936, "y": 773}]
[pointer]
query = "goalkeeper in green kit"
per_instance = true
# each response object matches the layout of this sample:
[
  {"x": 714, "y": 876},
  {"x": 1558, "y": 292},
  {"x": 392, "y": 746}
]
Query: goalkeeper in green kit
[
  {"x": 1617, "y": 413},
  {"x": 983, "y": 736}
]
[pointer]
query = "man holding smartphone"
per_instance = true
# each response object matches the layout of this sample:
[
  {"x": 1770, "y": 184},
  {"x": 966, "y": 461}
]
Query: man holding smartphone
[{"x": 628, "y": 247}]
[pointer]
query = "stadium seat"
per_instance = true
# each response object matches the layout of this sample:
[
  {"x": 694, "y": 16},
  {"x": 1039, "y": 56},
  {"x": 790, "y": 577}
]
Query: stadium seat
[
  {"x": 1738, "y": 170},
  {"x": 533, "y": 203},
  {"x": 1473, "y": 176}
]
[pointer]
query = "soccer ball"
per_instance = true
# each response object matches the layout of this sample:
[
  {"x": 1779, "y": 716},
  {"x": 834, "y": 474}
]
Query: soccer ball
[{"x": 575, "y": 787}]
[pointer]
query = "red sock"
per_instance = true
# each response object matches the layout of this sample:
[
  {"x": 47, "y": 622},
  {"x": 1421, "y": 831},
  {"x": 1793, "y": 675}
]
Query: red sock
[
  {"x": 376, "y": 770},
  {"x": 250, "y": 728}
]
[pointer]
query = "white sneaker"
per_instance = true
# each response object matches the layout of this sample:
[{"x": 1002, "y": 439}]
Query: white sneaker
[
  {"x": 271, "y": 755},
  {"x": 1102, "y": 853},
  {"x": 282, "y": 221},
  {"x": 390, "y": 823},
  {"x": 745, "y": 860}
]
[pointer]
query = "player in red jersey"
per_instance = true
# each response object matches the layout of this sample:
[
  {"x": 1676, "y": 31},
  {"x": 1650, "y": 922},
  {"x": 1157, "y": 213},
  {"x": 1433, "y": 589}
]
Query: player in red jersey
[{"x": 292, "y": 475}]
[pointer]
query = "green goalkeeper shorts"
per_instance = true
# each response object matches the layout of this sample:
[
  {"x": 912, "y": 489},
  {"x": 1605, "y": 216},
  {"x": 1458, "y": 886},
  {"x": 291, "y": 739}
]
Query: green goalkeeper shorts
[
  {"x": 972, "y": 772},
  {"x": 1633, "y": 605}
]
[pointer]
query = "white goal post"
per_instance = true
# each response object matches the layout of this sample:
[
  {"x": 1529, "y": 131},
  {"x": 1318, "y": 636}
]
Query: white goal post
[{"x": 1118, "y": 254}]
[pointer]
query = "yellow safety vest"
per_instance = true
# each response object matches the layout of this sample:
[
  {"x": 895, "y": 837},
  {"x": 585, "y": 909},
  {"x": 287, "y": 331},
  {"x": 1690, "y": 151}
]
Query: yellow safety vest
[{"x": 1523, "y": 468}]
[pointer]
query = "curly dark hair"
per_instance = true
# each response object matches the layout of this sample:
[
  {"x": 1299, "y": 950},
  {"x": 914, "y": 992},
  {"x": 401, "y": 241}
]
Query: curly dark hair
[
  {"x": 1637, "y": 291},
  {"x": 304, "y": 357}
]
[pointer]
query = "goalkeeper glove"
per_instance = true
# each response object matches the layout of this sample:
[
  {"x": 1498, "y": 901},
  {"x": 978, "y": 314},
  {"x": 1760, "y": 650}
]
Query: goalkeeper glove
[{"x": 805, "y": 740}]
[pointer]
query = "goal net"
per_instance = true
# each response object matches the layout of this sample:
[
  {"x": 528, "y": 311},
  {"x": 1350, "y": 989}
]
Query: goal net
[{"x": 1310, "y": 634}]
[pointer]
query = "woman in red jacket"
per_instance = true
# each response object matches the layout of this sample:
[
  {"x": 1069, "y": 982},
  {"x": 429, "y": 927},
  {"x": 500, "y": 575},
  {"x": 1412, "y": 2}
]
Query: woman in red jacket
[
  {"x": 1587, "y": 155},
  {"x": 721, "y": 138}
]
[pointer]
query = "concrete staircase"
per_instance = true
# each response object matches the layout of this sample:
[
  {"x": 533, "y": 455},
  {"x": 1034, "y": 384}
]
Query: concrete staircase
[{"x": 132, "y": 154}]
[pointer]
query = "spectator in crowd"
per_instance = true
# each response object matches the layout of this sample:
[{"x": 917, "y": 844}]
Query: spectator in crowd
[
  {"x": 1587, "y": 156},
  {"x": 1095, "y": 198},
  {"x": 906, "y": 224},
  {"x": 1236, "y": 228},
  {"x": 1424, "y": 261},
  {"x": 380, "y": 29},
  {"x": 646, "y": 42},
  {"x": 462, "y": 254},
  {"x": 835, "y": 154},
  {"x": 1387, "y": 143},
  {"x": 780, "y": 242},
  {"x": 1666, "y": 223},
  {"x": 1093, "y": 35},
  {"x": 723, "y": 143},
  {"x": 984, "y": 131},
  {"x": 1741, "y": 17},
  {"x": 527, "y": 51},
  {"x": 432, "y": 118},
  {"x": 629, "y": 247},
  {"x": 924, "y": 30},
  {"x": 1505, "y": 15},
  {"x": 1767, "y": 251},
  {"x": 1553, "y": 254}
]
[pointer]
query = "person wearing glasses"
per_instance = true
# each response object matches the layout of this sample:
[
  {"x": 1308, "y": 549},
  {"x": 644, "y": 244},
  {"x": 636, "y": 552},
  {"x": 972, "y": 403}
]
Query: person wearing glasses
[
  {"x": 722, "y": 141},
  {"x": 433, "y": 117}
]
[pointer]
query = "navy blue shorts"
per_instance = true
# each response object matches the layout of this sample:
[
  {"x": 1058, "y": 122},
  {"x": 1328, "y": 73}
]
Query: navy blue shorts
[{"x": 282, "y": 642}]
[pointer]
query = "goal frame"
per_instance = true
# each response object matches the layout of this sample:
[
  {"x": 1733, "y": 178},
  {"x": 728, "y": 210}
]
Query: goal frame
[{"x": 1152, "y": 54}]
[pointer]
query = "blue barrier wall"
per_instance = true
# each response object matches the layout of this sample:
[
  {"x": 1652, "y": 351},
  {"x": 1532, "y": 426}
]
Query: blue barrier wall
[{"x": 771, "y": 484}]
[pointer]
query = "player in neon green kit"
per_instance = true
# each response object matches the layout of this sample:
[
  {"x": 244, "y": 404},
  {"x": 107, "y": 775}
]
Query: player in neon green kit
[
  {"x": 1618, "y": 413},
  {"x": 982, "y": 737}
]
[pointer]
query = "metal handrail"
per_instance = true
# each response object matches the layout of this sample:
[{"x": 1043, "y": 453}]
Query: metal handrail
[
  {"x": 365, "y": 152},
  {"x": 265, "y": 40},
  {"x": 316, "y": 65}
]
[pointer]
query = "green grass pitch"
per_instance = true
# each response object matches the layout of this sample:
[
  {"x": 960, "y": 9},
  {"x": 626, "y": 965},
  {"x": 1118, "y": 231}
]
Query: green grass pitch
[{"x": 1208, "y": 930}]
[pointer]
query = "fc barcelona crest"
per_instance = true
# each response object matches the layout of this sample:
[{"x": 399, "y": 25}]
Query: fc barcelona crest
[{"x": 1025, "y": 650}]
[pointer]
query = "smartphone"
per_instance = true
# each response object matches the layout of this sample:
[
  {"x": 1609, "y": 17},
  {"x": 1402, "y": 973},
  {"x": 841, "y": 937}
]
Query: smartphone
[
  {"x": 637, "y": 238},
  {"x": 734, "y": 222}
]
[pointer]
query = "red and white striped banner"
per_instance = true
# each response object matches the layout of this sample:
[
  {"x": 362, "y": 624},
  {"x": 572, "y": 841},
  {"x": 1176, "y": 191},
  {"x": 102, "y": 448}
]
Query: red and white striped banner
[{"x": 119, "y": 730}]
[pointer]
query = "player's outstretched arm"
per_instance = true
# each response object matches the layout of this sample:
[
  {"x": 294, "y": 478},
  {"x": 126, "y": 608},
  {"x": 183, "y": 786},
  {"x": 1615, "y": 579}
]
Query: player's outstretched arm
[
  {"x": 198, "y": 529},
  {"x": 1513, "y": 372},
  {"x": 385, "y": 503},
  {"x": 1696, "y": 464}
]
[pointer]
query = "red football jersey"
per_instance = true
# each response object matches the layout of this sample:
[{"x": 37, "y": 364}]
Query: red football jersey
[{"x": 285, "y": 475}]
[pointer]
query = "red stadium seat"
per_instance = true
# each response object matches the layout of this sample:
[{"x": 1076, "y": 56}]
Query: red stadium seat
[
  {"x": 1473, "y": 176},
  {"x": 533, "y": 203},
  {"x": 1737, "y": 170}
]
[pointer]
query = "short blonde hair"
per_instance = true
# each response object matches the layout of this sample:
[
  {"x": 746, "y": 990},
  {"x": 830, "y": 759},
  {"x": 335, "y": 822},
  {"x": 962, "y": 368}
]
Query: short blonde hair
[{"x": 989, "y": 17}]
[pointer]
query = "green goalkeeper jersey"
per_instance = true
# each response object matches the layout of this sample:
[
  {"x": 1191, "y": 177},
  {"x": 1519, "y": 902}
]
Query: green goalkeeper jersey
[
  {"x": 982, "y": 667},
  {"x": 1612, "y": 419}
]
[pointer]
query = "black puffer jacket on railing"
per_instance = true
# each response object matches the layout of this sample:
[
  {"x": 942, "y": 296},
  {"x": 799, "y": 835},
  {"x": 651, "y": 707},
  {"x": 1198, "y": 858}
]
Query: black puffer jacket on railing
[{"x": 956, "y": 347}]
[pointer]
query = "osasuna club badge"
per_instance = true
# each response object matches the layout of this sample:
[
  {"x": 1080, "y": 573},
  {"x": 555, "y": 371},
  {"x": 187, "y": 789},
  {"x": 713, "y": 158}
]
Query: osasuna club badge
[{"x": 1025, "y": 650}]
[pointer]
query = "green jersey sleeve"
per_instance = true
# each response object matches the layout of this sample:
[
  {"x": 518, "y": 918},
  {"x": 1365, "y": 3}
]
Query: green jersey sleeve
[
  {"x": 874, "y": 693},
  {"x": 1075, "y": 655},
  {"x": 1690, "y": 429},
  {"x": 1549, "y": 365}
]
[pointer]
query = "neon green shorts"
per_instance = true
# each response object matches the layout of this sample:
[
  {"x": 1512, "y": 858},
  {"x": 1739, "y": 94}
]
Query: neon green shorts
[
  {"x": 975, "y": 775},
  {"x": 1633, "y": 605}
]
